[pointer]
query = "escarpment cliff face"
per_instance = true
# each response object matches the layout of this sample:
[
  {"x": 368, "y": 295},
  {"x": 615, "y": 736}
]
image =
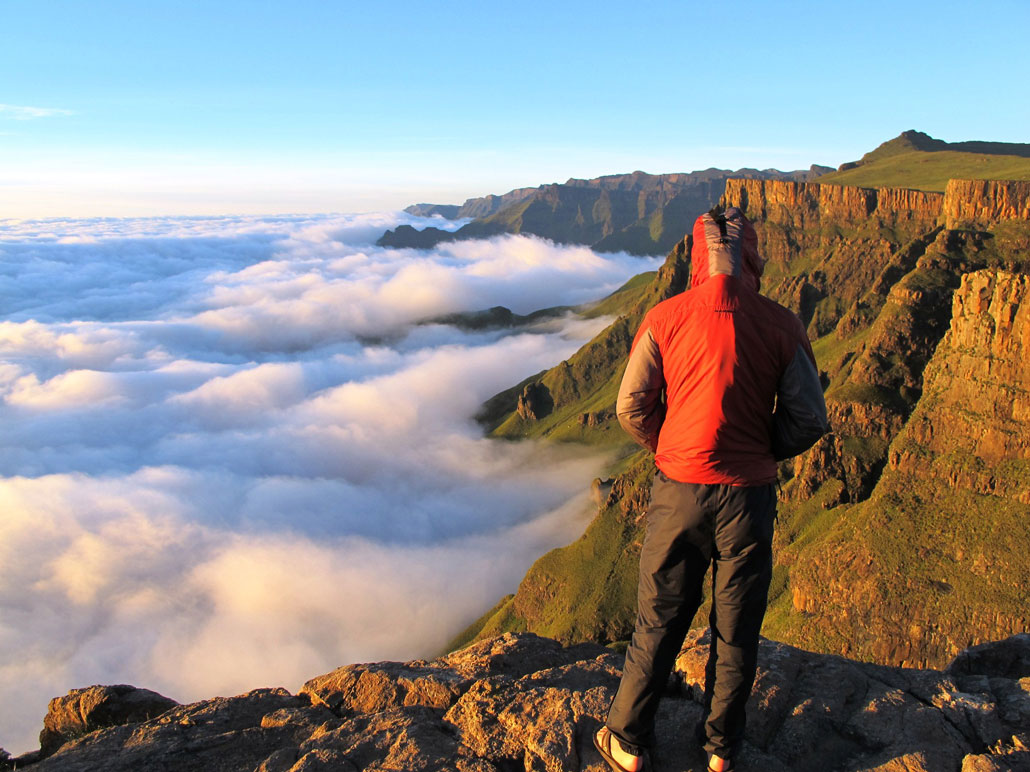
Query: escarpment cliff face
[
  {"x": 935, "y": 560},
  {"x": 866, "y": 557},
  {"x": 805, "y": 204},
  {"x": 826, "y": 244},
  {"x": 521, "y": 702},
  {"x": 985, "y": 202},
  {"x": 972, "y": 426},
  {"x": 900, "y": 533}
]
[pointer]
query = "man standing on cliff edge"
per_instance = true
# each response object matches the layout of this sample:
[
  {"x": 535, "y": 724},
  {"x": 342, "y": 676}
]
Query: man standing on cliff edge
[{"x": 721, "y": 384}]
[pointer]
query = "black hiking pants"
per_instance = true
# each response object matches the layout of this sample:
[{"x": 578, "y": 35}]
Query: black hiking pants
[{"x": 690, "y": 525}]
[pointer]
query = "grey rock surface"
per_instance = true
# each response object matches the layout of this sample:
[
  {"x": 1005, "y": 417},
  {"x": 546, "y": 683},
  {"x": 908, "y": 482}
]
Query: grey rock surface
[{"x": 524, "y": 702}]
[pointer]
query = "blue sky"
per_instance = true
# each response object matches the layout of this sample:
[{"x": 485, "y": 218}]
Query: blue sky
[{"x": 228, "y": 106}]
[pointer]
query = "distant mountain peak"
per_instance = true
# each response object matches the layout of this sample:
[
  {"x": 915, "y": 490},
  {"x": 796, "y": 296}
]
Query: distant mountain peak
[
  {"x": 905, "y": 142},
  {"x": 912, "y": 140}
]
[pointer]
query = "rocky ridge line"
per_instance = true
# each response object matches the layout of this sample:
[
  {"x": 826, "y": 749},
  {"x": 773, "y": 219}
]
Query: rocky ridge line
[
  {"x": 523, "y": 702},
  {"x": 639, "y": 213},
  {"x": 964, "y": 202}
]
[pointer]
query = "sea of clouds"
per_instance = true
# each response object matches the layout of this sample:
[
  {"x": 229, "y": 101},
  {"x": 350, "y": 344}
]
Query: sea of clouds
[{"x": 233, "y": 454}]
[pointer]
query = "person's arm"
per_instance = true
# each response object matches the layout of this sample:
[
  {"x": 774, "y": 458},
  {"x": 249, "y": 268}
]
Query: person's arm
[
  {"x": 800, "y": 416},
  {"x": 640, "y": 408}
]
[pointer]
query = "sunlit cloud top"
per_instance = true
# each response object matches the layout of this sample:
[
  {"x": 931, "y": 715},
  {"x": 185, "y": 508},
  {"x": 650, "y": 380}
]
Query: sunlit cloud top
[{"x": 219, "y": 432}]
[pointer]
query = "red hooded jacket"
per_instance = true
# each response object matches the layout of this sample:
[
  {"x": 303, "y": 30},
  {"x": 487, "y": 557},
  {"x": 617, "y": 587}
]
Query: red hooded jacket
[{"x": 721, "y": 381}]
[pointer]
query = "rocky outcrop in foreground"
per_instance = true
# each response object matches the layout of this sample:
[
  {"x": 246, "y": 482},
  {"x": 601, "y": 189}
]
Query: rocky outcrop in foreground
[{"x": 524, "y": 702}]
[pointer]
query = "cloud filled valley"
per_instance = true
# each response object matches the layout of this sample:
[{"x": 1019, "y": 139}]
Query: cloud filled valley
[{"x": 234, "y": 455}]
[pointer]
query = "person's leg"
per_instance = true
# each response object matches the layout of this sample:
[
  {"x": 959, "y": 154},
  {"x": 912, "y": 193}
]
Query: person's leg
[
  {"x": 741, "y": 572},
  {"x": 673, "y": 561}
]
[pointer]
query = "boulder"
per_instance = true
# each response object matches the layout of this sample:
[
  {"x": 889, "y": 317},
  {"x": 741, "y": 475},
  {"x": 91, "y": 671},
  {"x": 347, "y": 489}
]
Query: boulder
[
  {"x": 816, "y": 711},
  {"x": 1009, "y": 658},
  {"x": 217, "y": 735},
  {"x": 534, "y": 402},
  {"x": 367, "y": 688},
  {"x": 82, "y": 711}
]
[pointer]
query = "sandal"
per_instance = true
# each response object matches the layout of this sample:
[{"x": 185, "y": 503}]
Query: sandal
[{"x": 603, "y": 743}]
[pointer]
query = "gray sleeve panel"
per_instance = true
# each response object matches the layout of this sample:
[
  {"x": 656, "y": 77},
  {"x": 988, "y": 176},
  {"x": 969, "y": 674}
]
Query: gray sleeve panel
[
  {"x": 639, "y": 407},
  {"x": 800, "y": 417}
]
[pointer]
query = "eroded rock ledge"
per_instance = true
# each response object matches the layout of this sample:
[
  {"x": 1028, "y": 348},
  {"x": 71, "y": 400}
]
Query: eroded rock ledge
[{"x": 524, "y": 702}]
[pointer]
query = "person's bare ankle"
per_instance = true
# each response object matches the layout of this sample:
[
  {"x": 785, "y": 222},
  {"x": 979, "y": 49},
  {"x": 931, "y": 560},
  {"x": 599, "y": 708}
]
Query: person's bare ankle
[
  {"x": 717, "y": 763},
  {"x": 625, "y": 759}
]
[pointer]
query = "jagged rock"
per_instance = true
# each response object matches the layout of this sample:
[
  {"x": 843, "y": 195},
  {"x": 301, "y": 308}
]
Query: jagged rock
[
  {"x": 397, "y": 739},
  {"x": 631, "y": 496},
  {"x": 977, "y": 389},
  {"x": 829, "y": 459},
  {"x": 438, "y": 683},
  {"x": 1009, "y": 658},
  {"x": 218, "y": 735},
  {"x": 525, "y": 702},
  {"x": 1012, "y": 756},
  {"x": 600, "y": 490},
  {"x": 537, "y": 719},
  {"x": 535, "y": 402},
  {"x": 371, "y": 688},
  {"x": 82, "y": 711},
  {"x": 825, "y": 712},
  {"x": 595, "y": 419}
]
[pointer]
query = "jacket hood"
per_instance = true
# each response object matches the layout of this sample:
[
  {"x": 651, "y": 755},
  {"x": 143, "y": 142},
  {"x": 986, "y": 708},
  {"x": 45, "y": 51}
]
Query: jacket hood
[{"x": 725, "y": 244}]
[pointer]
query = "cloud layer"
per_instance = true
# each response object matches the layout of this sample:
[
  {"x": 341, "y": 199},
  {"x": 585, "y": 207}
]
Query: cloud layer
[{"x": 233, "y": 456}]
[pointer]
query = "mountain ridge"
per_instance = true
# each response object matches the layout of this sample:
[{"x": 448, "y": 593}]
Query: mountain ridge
[
  {"x": 646, "y": 214},
  {"x": 916, "y": 160},
  {"x": 918, "y": 140},
  {"x": 638, "y": 213},
  {"x": 876, "y": 276}
]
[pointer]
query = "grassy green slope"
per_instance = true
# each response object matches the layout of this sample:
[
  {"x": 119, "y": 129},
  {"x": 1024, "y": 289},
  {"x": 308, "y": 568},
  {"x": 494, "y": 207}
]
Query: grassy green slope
[
  {"x": 581, "y": 391},
  {"x": 930, "y": 170},
  {"x": 587, "y": 590},
  {"x": 914, "y": 574},
  {"x": 623, "y": 299}
]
